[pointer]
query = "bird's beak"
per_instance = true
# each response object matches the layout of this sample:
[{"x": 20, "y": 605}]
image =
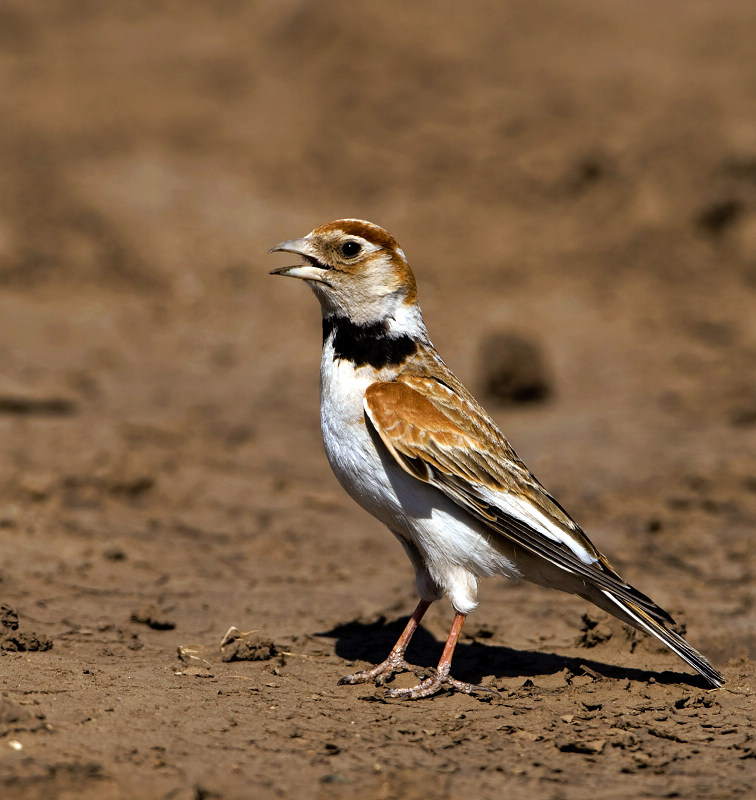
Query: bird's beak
[{"x": 308, "y": 272}]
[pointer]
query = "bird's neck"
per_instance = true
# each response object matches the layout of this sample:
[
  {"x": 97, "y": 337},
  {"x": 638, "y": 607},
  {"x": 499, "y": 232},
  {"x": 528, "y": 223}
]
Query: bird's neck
[{"x": 381, "y": 343}]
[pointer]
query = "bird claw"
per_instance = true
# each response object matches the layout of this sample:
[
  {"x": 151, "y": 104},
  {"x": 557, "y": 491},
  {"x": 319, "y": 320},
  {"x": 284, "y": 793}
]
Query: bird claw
[
  {"x": 380, "y": 674},
  {"x": 435, "y": 684}
]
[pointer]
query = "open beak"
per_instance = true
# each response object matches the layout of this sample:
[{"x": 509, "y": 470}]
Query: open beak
[{"x": 307, "y": 272}]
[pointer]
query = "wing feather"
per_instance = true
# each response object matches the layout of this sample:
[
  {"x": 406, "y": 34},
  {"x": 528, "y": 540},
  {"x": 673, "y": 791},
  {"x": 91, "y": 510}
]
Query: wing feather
[{"x": 475, "y": 466}]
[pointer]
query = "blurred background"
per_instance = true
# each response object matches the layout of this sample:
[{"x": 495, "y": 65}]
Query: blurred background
[
  {"x": 578, "y": 179},
  {"x": 577, "y": 172},
  {"x": 574, "y": 184}
]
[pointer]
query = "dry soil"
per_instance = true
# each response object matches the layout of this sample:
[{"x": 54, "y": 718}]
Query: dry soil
[{"x": 579, "y": 177}]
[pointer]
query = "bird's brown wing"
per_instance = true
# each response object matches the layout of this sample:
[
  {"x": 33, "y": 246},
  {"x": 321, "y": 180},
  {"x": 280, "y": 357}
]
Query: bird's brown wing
[{"x": 453, "y": 450}]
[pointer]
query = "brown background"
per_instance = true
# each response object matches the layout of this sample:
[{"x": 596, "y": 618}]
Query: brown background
[{"x": 581, "y": 174}]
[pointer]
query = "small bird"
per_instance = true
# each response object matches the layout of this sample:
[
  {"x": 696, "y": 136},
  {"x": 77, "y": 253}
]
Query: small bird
[{"x": 413, "y": 447}]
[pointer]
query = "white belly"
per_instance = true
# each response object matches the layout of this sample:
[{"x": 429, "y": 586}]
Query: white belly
[{"x": 449, "y": 549}]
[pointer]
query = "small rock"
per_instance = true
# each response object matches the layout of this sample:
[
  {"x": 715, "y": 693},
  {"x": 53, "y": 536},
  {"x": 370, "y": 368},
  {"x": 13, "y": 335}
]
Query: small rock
[{"x": 150, "y": 614}]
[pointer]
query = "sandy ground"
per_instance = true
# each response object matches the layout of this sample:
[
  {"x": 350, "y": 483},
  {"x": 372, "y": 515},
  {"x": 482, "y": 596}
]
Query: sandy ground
[{"x": 580, "y": 175}]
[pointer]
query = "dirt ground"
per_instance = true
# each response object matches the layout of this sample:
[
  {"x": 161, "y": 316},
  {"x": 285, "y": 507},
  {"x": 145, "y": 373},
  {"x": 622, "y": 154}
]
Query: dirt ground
[{"x": 580, "y": 175}]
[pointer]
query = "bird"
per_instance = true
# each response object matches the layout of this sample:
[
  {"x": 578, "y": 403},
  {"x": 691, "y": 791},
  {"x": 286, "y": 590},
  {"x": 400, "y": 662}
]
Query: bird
[{"x": 410, "y": 444}]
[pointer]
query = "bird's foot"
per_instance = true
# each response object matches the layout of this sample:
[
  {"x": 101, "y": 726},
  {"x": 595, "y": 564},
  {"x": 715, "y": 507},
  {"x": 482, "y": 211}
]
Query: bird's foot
[
  {"x": 380, "y": 674},
  {"x": 435, "y": 684}
]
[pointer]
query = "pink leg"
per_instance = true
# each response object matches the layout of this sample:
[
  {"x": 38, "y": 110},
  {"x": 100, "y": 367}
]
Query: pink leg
[
  {"x": 395, "y": 661},
  {"x": 442, "y": 677}
]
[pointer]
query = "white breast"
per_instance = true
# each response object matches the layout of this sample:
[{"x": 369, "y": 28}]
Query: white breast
[
  {"x": 454, "y": 548},
  {"x": 348, "y": 443}
]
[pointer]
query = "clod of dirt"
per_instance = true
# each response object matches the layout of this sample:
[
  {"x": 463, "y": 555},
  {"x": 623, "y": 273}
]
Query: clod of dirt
[
  {"x": 591, "y": 748},
  {"x": 15, "y": 718},
  {"x": 115, "y": 553},
  {"x": 25, "y": 643},
  {"x": 586, "y": 172},
  {"x": 718, "y": 217},
  {"x": 239, "y": 646},
  {"x": 22, "y": 400},
  {"x": 37, "y": 486},
  {"x": 8, "y": 618},
  {"x": 593, "y": 632},
  {"x": 14, "y": 641},
  {"x": 150, "y": 614},
  {"x": 744, "y": 416},
  {"x": 132, "y": 487},
  {"x": 512, "y": 369},
  {"x": 12, "y": 714}
]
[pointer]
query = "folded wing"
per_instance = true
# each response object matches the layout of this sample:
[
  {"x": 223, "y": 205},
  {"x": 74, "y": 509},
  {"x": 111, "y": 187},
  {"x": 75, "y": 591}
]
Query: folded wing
[{"x": 436, "y": 446}]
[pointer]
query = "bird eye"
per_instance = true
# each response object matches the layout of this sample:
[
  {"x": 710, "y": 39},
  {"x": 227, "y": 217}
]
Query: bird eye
[{"x": 350, "y": 248}]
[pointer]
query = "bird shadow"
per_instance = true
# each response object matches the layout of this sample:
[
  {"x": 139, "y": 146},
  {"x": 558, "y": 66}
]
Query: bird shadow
[{"x": 372, "y": 641}]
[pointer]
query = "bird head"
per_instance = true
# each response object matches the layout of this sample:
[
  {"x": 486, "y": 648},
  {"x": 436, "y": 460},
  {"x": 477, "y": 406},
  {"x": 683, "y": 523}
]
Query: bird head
[{"x": 355, "y": 268}]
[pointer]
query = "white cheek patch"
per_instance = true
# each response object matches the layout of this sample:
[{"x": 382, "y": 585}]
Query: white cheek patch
[{"x": 380, "y": 280}]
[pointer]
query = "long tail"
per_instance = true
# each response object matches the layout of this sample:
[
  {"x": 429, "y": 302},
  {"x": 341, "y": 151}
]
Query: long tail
[{"x": 674, "y": 641}]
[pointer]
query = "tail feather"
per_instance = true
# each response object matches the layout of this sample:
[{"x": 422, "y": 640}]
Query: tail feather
[{"x": 674, "y": 641}]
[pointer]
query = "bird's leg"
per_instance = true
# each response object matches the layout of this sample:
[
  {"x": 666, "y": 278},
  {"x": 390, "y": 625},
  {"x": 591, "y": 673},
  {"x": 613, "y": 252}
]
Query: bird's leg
[
  {"x": 395, "y": 661},
  {"x": 442, "y": 678}
]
